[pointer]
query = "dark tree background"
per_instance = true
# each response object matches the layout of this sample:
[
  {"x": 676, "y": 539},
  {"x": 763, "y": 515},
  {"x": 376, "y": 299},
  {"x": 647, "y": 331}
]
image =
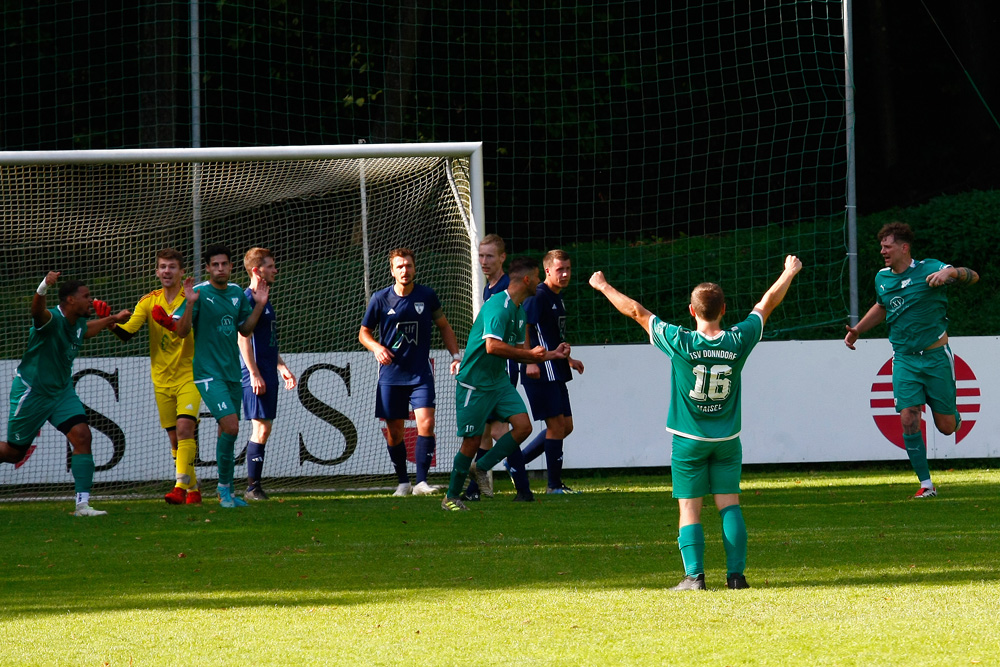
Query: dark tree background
[{"x": 564, "y": 98}]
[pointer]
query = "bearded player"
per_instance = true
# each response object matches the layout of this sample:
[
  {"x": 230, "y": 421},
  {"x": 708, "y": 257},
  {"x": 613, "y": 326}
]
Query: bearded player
[{"x": 42, "y": 390}]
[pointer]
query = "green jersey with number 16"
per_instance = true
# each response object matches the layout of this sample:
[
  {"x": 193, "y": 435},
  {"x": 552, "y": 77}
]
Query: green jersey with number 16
[{"x": 706, "y": 376}]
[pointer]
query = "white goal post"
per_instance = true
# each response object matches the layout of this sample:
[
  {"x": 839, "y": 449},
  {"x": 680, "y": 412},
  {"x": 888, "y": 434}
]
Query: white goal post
[{"x": 330, "y": 214}]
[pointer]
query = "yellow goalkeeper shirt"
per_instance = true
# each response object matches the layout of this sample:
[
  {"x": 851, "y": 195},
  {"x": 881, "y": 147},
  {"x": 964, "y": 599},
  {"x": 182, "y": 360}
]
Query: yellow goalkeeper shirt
[{"x": 170, "y": 357}]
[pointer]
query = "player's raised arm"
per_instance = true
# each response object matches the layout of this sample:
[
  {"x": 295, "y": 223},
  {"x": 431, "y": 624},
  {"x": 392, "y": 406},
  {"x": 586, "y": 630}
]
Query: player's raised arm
[
  {"x": 260, "y": 301},
  {"x": 625, "y": 305},
  {"x": 774, "y": 296},
  {"x": 952, "y": 274},
  {"x": 190, "y": 296},
  {"x": 39, "y": 313}
]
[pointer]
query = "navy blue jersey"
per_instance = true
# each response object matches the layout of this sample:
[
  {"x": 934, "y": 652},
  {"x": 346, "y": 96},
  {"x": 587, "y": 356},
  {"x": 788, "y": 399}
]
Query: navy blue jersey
[
  {"x": 501, "y": 285},
  {"x": 488, "y": 292},
  {"x": 546, "y": 317},
  {"x": 264, "y": 342},
  {"x": 404, "y": 326}
]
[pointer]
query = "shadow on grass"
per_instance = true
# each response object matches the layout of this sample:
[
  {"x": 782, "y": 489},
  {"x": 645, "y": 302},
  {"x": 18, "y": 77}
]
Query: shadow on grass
[{"x": 825, "y": 531}]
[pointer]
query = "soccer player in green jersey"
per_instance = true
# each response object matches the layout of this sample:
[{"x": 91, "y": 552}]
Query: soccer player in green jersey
[
  {"x": 484, "y": 392},
  {"x": 910, "y": 298},
  {"x": 704, "y": 416},
  {"x": 43, "y": 391},
  {"x": 217, "y": 310}
]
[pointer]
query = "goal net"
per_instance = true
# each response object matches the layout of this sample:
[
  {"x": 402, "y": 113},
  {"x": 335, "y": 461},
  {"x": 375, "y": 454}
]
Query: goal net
[{"x": 330, "y": 215}]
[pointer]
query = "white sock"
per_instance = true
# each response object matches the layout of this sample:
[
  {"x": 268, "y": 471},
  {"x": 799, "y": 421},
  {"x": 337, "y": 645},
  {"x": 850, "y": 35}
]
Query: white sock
[
  {"x": 83, "y": 498},
  {"x": 926, "y": 484}
]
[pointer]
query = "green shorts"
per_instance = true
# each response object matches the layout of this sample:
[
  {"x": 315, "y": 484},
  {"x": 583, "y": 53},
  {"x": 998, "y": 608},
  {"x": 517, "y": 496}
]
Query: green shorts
[
  {"x": 475, "y": 406},
  {"x": 925, "y": 378},
  {"x": 698, "y": 468},
  {"x": 221, "y": 397},
  {"x": 29, "y": 411}
]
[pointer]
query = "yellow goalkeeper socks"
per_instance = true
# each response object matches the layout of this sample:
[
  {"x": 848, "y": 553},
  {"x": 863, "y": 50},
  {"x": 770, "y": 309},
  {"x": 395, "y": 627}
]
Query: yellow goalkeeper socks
[{"x": 186, "y": 450}]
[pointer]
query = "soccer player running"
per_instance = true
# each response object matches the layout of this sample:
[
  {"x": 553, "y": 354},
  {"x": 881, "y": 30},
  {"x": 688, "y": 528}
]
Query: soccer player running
[
  {"x": 217, "y": 310},
  {"x": 484, "y": 390},
  {"x": 42, "y": 389},
  {"x": 403, "y": 314},
  {"x": 545, "y": 384},
  {"x": 492, "y": 255},
  {"x": 706, "y": 365},
  {"x": 261, "y": 364},
  {"x": 177, "y": 398},
  {"x": 910, "y": 297}
]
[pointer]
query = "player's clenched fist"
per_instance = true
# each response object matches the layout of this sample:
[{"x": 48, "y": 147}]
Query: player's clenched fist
[
  {"x": 101, "y": 308},
  {"x": 793, "y": 264},
  {"x": 598, "y": 281}
]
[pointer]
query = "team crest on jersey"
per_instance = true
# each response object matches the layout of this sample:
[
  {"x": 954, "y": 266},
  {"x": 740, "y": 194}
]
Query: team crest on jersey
[
  {"x": 236, "y": 301},
  {"x": 905, "y": 283},
  {"x": 419, "y": 307},
  {"x": 226, "y": 326}
]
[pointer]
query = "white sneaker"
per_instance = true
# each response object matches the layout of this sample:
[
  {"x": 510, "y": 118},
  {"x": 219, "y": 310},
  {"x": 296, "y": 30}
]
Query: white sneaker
[
  {"x": 84, "y": 509},
  {"x": 425, "y": 489},
  {"x": 403, "y": 489}
]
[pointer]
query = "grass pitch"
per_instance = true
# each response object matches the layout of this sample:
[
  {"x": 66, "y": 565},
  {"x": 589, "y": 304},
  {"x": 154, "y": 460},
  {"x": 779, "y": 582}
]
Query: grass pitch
[{"x": 845, "y": 569}]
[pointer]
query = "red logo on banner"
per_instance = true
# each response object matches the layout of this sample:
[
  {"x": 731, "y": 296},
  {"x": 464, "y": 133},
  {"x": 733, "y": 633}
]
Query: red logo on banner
[
  {"x": 410, "y": 438},
  {"x": 887, "y": 419}
]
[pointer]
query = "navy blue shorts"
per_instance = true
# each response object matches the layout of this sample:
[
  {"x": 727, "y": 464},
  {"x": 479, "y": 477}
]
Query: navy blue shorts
[
  {"x": 265, "y": 406},
  {"x": 393, "y": 401},
  {"x": 548, "y": 399}
]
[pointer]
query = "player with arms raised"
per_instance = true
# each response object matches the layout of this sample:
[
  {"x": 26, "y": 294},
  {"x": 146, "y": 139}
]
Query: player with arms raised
[
  {"x": 177, "y": 398},
  {"x": 704, "y": 416},
  {"x": 484, "y": 390},
  {"x": 42, "y": 390},
  {"x": 910, "y": 297},
  {"x": 218, "y": 310},
  {"x": 403, "y": 314}
]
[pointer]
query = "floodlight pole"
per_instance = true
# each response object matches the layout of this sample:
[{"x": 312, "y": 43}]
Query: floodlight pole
[{"x": 852, "y": 193}]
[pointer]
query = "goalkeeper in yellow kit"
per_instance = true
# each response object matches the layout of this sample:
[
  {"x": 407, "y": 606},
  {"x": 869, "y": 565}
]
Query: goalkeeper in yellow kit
[{"x": 177, "y": 397}]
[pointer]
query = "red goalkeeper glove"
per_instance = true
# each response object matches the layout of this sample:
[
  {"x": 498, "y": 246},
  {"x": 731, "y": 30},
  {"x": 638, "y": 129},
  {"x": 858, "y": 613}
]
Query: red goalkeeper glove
[
  {"x": 101, "y": 308},
  {"x": 161, "y": 317}
]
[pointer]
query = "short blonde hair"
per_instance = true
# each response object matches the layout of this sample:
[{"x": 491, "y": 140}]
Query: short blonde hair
[
  {"x": 495, "y": 241},
  {"x": 553, "y": 256},
  {"x": 254, "y": 259}
]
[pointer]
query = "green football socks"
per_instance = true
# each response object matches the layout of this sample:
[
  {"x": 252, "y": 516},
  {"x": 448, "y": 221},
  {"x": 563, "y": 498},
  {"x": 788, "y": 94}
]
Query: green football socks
[
  {"x": 82, "y": 467},
  {"x": 917, "y": 452},
  {"x": 501, "y": 449},
  {"x": 734, "y": 539},
  {"x": 225, "y": 457},
  {"x": 691, "y": 540},
  {"x": 459, "y": 471}
]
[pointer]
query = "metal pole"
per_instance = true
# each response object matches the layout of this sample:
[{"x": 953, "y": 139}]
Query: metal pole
[
  {"x": 196, "y": 138},
  {"x": 852, "y": 193},
  {"x": 366, "y": 250},
  {"x": 476, "y": 181}
]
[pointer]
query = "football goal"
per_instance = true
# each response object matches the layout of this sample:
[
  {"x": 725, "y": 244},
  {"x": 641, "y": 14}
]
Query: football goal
[{"x": 330, "y": 215}]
